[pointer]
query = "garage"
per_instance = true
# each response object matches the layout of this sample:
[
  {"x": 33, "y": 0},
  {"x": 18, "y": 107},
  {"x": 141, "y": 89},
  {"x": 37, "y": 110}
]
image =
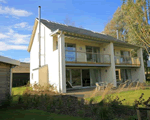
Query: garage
[
  {"x": 6, "y": 64},
  {"x": 21, "y": 74}
]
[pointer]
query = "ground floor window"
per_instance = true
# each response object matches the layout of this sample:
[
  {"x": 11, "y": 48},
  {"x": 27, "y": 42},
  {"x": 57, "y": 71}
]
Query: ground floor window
[
  {"x": 123, "y": 75},
  {"x": 82, "y": 77}
]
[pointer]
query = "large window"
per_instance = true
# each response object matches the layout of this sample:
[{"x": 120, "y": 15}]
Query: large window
[
  {"x": 70, "y": 52},
  {"x": 92, "y": 54},
  {"x": 76, "y": 77},
  {"x": 126, "y": 74},
  {"x": 95, "y": 76},
  {"x": 73, "y": 77}
]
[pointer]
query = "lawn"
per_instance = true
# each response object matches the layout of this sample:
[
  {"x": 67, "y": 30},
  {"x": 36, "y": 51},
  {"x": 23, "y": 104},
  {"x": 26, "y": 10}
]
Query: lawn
[
  {"x": 19, "y": 114},
  {"x": 68, "y": 107},
  {"x": 130, "y": 96},
  {"x": 19, "y": 90}
]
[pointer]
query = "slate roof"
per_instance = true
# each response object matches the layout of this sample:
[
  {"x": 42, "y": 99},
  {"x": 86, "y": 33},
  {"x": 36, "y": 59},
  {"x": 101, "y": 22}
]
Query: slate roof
[{"x": 54, "y": 26}]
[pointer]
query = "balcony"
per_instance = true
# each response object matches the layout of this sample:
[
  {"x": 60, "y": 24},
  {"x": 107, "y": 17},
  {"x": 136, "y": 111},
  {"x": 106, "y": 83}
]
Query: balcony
[
  {"x": 128, "y": 61},
  {"x": 87, "y": 58}
]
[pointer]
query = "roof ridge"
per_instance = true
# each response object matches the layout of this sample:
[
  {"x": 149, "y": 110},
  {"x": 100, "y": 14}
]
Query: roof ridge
[{"x": 71, "y": 26}]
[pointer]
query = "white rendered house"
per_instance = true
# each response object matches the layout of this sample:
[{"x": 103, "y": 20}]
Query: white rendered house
[{"x": 81, "y": 57}]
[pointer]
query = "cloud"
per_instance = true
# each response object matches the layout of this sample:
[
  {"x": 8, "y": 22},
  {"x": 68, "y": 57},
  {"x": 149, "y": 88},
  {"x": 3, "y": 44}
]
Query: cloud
[
  {"x": 3, "y": 1},
  {"x": 14, "y": 12},
  {"x": 15, "y": 37},
  {"x": 5, "y": 47},
  {"x": 25, "y": 60},
  {"x": 24, "y": 25},
  {"x": 2, "y": 36}
]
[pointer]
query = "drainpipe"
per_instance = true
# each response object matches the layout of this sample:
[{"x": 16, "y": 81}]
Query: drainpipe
[
  {"x": 11, "y": 78},
  {"x": 39, "y": 36}
]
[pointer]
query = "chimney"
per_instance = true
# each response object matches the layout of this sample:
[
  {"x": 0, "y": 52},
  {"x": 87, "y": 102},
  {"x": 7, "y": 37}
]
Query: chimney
[{"x": 39, "y": 36}]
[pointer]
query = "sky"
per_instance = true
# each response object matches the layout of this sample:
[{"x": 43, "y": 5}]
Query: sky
[{"x": 17, "y": 19}]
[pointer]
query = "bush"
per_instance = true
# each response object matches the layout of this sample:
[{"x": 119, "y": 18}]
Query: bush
[{"x": 8, "y": 100}]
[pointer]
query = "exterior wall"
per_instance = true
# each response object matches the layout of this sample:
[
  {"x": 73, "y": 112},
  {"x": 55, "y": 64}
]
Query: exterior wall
[
  {"x": 34, "y": 59},
  {"x": 49, "y": 56},
  {"x": 4, "y": 80},
  {"x": 141, "y": 70},
  {"x": 134, "y": 74},
  {"x": 43, "y": 75},
  {"x": 34, "y": 77},
  {"x": 22, "y": 68}
]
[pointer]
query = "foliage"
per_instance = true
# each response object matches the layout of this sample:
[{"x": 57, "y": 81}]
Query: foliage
[
  {"x": 131, "y": 20},
  {"x": 141, "y": 101},
  {"x": 8, "y": 100}
]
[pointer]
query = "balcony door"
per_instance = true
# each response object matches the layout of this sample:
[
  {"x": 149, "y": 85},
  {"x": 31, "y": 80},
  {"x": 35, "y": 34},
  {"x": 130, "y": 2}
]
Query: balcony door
[{"x": 93, "y": 54}]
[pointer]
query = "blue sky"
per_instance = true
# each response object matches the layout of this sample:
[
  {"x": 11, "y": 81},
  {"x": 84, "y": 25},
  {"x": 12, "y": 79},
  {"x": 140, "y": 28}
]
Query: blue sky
[{"x": 17, "y": 19}]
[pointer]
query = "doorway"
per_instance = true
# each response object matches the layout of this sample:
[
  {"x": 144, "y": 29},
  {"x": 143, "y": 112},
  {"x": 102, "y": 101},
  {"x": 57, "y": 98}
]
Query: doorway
[{"x": 85, "y": 77}]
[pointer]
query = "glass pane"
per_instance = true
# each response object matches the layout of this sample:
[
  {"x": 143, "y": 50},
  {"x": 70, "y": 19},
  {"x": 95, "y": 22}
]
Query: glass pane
[
  {"x": 94, "y": 76},
  {"x": 67, "y": 75},
  {"x": 95, "y": 49},
  {"x": 76, "y": 77},
  {"x": 71, "y": 47},
  {"x": 89, "y": 57},
  {"x": 70, "y": 56},
  {"x": 88, "y": 49},
  {"x": 68, "y": 78},
  {"x": 117, "y": 73}
]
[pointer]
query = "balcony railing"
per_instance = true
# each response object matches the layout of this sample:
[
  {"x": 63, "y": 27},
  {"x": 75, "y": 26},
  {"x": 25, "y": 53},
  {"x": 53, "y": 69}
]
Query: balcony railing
[
  {"x": 127, "y": 60},
  {"x": 75, "y": 56}
]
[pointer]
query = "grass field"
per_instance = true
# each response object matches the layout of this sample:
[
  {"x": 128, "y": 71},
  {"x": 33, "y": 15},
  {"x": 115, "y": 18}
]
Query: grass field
[
  {"x": 130, "y": 96},
  {"x": 19, "y": 90},
  {"x": 19, "y": 114}
]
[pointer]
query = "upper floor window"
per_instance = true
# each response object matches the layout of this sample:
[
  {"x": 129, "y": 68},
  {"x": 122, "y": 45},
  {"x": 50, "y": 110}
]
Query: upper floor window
[
  {"x": 68, "y": 46},
  {"x": 93, "y": 54},
  {"x": 125, "y": 53}
]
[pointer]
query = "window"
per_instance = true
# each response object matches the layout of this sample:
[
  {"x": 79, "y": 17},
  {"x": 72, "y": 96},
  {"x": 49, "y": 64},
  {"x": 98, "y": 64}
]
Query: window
[
  {"x": 125, "y": 53},
  {"x": 92, "y": 54},
  {"x": 70, "y": 52},
  {"x": 117, "y": 74},
  {"x": 56, "y": 45}
]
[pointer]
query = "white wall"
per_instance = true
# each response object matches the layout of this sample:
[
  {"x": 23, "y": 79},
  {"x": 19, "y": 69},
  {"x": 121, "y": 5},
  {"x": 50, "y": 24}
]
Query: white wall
[
  {"x": 35, "y": 77},
  {"x": 50, "y": 58},
  {"x": 34, "y": 57}
]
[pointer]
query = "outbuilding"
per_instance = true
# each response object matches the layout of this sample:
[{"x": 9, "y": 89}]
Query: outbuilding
[{"x": 6, "y": 65}]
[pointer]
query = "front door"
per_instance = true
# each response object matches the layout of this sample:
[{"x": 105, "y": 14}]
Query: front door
[{"x": 85, "y": 77}]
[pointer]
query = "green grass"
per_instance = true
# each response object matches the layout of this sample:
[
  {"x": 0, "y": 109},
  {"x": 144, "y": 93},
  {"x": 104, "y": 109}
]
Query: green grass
[
  {"x": 19, "y": 114},
  {"x": 130, "y": 96},
  {"x": 19, "y": 90}
]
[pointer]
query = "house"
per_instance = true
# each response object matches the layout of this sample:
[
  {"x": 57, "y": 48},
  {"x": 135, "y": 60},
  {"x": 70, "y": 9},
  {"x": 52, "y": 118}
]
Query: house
[
  {"x": 71, "y": 56},
  {"x": 21, "y": 74},
  {"x": 6, "y": 65}
]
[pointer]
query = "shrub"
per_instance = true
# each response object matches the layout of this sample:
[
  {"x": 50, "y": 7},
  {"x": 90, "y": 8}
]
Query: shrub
[
  {"x": 8, "y": 100},
  {"x": 81, "y": 113}
]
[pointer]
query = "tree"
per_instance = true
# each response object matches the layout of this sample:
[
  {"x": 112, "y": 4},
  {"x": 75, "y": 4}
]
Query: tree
[
  {"x": 115, "y": 24},
  {"x": 68, "y": 21},
  {"x": 132, "y": 20}
]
